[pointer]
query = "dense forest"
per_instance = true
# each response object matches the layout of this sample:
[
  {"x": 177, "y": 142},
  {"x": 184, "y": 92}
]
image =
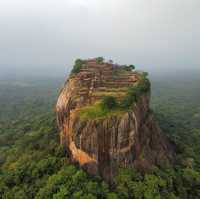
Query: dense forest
[{"x": 34, "y": 165}]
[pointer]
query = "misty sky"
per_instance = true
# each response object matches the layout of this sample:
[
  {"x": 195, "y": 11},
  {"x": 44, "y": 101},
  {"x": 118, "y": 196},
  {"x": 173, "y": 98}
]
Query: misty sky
[{"x": 148, "y": 33}]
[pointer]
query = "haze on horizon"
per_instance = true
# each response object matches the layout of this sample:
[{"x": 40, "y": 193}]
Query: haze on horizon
[{"x": 49, "y": 35}]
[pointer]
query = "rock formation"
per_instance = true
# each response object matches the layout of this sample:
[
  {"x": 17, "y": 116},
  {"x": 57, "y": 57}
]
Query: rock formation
[{"x": 118, "y": 138}]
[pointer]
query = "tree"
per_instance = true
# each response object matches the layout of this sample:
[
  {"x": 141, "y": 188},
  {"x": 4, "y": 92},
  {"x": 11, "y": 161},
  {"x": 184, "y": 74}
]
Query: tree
[
  {"x": 109, "y": 102},
  {"x": 153, "y": 184},
  {"x": 131, "y": 97},
  {"x": 132, "y": 67},
  {"x": 99, "y": 60},
  {"x": 145, "y": 74},
  {"x": 191, "y": 182},
  {"x": 127, "y": 68},
  {"x": 112, "y": 196},
  {"x": 77, "y": 66}
]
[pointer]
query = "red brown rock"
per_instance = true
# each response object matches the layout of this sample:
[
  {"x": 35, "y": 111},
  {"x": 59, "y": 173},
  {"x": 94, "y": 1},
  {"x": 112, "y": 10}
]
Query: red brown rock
[{"x": 133, "y": 139}]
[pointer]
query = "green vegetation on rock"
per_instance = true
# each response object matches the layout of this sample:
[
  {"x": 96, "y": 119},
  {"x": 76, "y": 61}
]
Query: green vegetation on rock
[
  {"x": 129, "y": 68},
  {"x": 109, "y": 102},
  {"x": 109, "y": 105},
  {"x": 136, "y": 91},
  {"x": 97, "y": 111},
  {"x": 99, "y": 60},
  {"x": 77, "y": 66},
  {"x": 132, "y": 66}
]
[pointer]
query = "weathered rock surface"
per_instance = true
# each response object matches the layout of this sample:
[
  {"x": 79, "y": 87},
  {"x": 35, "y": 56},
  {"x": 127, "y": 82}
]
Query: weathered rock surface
[{"x": 132, "y": 139}]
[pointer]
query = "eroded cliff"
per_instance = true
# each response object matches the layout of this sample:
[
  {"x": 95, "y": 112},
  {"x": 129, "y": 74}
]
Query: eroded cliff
[{"x": 103, "y": 139}]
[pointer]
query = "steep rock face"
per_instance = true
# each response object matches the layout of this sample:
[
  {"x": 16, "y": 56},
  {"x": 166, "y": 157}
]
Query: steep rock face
[{"x": 101, "y": 146}]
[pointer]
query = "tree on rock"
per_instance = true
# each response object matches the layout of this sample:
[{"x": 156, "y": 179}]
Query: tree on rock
[
  {"x": 132, "y": 67},
  {"x": 109, "y": 102},
  {"x": 99, "y": 60},
  {"x": 77, "y": 66}
]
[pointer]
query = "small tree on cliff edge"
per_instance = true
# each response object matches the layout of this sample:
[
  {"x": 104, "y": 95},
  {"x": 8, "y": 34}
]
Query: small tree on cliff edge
[
  {"x": 132, "y": 67},
  {"x": 99, "y": 60},
  {"x": 129, "y": 68},
  {"x": 77, "y": 66}
]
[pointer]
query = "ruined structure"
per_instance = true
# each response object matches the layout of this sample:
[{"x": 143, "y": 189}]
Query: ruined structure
[{"x": 125, "y": 138}]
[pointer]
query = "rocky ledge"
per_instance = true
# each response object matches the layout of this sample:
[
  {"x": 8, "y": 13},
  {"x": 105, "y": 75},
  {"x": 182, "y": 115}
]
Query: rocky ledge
[{"x": 105, "y": 121}]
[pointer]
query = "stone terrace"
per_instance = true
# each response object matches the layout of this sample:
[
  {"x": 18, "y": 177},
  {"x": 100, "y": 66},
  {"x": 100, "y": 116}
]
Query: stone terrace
[{"x": 101, "y": 79}]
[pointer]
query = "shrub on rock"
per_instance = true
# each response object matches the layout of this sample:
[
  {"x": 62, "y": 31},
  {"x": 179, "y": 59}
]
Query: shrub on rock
[{"x": 109, "y": 102}]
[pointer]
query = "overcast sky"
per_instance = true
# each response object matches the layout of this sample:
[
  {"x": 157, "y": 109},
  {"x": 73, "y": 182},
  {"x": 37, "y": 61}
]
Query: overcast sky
[{"x": 148, "y": 33}]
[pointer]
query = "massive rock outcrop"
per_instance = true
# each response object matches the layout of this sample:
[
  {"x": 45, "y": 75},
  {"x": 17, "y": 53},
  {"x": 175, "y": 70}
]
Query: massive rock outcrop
[{"x": 117, "y": 138}]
